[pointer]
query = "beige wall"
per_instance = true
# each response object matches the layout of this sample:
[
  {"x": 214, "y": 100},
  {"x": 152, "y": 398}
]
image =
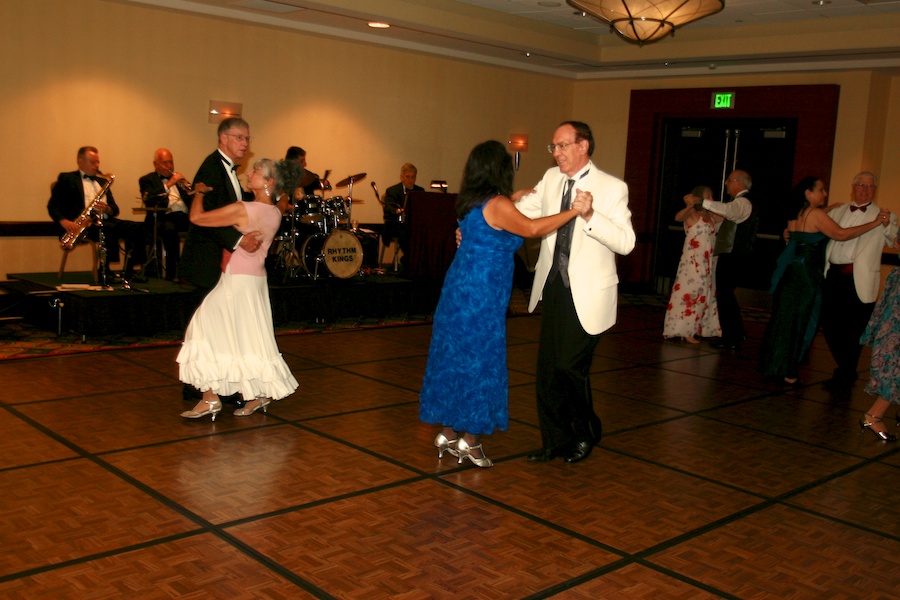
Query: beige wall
[{"x": 130, "y": 79}]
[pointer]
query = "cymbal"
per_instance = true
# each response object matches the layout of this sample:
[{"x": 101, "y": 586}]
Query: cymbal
[
  {"x": 353, "y": 178},
  {"x": 307, "y": 178}
]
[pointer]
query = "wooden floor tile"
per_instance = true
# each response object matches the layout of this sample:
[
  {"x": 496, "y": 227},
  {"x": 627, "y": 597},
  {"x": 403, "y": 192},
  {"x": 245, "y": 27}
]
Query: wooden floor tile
[
  {"x": 341, "y": 348},
  {"x": 627, "y": 505},
  {"x": 670, "y": 388},
  {"x": 753, "y": 461},
  {"x": 94, "y": 373},
  {"x": 635, "y": 582},
  {"x": 785, "y": 553},
  {"x": 228, "y": 477},
  {"x": 22, "y": 444},
  {"x": 396, "y": 433},
  {"x": 866, "y": 497},
  {"x": 133, "y": 418},
  {"x": 405, "y": 373},
  {"x": 72, "y": 509},
  {"x": 331, "y": 391},
  {"x": 201, "y": 566},
  {"x": 833, "y": 427},
  {"x": 429, "y": 542}
]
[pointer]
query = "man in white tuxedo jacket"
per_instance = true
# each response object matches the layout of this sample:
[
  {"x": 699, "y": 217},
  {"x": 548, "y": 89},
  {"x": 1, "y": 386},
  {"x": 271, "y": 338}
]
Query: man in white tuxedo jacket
[
  {"x": 576, "y": 279},
  {"x": 852, "y": 277}
]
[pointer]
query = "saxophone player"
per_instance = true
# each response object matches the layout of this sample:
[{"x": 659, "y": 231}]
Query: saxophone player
[
  {"x": 74, "y": 190},
  {"x": 166, "y": 188}
]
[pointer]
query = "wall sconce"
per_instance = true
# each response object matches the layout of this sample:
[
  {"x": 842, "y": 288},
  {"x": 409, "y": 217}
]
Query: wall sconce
[
  {"x": 439, "y": 184},
  {"x": 220, "y": 110},
  {"x": 518, "y": 142}
]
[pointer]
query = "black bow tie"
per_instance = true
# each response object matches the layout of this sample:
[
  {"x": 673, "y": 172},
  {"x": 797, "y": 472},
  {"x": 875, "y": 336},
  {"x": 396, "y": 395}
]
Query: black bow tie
[
  {"x": 863, "y": 208},
  {"x": 86, "y": 176},
  {"x": 234, "y": 167}
]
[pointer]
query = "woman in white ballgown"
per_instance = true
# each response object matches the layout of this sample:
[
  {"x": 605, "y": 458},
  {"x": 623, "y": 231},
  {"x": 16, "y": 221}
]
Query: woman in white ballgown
[{"x": 229, "y": 345}]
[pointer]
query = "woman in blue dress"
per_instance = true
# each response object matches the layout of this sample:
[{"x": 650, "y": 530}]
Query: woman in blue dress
[
  {"x": 798, "y": 278},
  {"x": 883, "y": 335},
  {"x": 465, "y": 386}
]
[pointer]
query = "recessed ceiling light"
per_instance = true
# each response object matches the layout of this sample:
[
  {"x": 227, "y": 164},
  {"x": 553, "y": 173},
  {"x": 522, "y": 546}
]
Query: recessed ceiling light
[
  {"x": 821, "y": 2},
  {"x": 378, "y": 25}
]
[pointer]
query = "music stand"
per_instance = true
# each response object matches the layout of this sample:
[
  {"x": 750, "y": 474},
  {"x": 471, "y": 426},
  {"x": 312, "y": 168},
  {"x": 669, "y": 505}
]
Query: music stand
[{"x": 153, "y": 255}]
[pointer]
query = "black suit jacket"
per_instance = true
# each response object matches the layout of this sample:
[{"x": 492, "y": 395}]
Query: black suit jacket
[
  {"x": 152, "y": 185},
  {"x": 67, "y": 198},
  {"x": 393, "y": 199},
  {"x": 201, "y": 258}
]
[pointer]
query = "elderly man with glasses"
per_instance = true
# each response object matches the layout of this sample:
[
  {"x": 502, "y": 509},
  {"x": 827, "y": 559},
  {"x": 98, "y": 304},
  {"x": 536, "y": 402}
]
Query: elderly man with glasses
[{"x": 852, "y": 278}]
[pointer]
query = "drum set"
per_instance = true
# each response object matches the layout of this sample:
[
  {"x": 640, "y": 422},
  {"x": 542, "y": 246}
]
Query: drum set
[{"x": 316, "y": 239}]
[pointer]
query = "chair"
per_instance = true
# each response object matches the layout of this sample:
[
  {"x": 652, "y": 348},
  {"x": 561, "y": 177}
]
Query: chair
[
  {"x": 394, "y": 244},
  {"x": 95, "y": 263}
]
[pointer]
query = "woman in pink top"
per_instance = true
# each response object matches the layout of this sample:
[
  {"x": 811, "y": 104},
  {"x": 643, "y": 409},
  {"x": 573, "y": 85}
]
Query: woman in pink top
[{"x": 229, "y": 345}]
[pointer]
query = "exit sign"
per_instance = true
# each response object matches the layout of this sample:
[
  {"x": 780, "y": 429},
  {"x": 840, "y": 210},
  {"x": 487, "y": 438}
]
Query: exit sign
[{"x": 722, "y": 100}]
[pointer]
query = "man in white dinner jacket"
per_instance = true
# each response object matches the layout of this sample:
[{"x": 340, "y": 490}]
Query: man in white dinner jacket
[
  {"x": 852, "y": 277},
  {"x": 576, "y": 279}
]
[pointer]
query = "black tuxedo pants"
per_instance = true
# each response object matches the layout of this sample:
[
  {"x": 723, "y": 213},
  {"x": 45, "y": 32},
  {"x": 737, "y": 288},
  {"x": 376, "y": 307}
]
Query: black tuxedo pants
[
  {"x": 564, "y": 401},
  {"x": 728, "y": 268},
  {"x": 844, "y": 319}
]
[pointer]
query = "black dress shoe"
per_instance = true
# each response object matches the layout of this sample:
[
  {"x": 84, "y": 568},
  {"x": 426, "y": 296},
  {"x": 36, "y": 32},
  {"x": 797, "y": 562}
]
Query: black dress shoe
[
  {"x": 542, "y": 455},
  {"x": 725, "y": 345},
  {"x": 581, "y": 451},
  {"x": 233, "y": 400}
]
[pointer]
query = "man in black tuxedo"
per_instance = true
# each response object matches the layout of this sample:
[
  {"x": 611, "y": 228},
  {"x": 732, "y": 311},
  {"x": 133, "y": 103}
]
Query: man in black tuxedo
[
  {"x": 206, "y": 247},
  {"x": 73, "y": 191},
  {"x": 164, "y": 188},
  {"x": 395, "y": 198}
]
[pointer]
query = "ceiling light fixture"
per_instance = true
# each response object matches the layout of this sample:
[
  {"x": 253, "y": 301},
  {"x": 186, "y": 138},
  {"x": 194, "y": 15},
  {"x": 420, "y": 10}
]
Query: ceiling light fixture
[
  {"x": 645, "y": 21},
  {"x": 379, "y": 25}
]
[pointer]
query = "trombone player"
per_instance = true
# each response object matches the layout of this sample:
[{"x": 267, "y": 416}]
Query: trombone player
[
  {"x": 74, "y": 191},
  {"x": 166, "y": 188}
]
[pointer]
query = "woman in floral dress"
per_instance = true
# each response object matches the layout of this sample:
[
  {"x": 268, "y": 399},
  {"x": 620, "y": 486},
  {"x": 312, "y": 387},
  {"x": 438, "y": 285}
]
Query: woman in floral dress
[
  {"x": 692, "y": 309},
  {"x": 883, "y": 335}
]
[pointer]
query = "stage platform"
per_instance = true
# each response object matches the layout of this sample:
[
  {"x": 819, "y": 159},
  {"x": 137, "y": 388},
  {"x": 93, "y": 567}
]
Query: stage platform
[{"x": 160, "y": 305}]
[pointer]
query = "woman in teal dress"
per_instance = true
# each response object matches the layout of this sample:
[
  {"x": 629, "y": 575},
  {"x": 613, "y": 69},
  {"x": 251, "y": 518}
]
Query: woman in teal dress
[
  {"x": 465, "y": 386},
  {"x": 798, "y": 278},
  {"x": 883, "y": 335}
]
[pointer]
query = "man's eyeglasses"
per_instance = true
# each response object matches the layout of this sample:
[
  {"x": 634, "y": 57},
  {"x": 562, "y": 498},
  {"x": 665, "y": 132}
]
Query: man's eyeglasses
[
  {"x": 240, "y": 137},
  {"x": 865, "y": 186},
  {"x": 553, "y": 147}
]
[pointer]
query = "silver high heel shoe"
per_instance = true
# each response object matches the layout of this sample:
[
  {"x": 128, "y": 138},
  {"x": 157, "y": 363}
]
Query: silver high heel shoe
[
  {"x": 882, "y": 435},
  {"x": 465, "y": 451},
  {"x": 443, "y": 445},
  {"x": 252, "y": 406},
  {"x": 213, "y": 408}
]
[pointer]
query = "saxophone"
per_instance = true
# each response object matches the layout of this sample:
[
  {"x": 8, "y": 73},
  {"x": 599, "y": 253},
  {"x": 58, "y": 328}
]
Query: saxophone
[{"x": 85, "y": 219}]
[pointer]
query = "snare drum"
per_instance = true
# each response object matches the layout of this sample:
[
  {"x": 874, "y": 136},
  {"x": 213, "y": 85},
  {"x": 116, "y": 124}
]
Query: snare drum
[{"x": 340, "y": 252}]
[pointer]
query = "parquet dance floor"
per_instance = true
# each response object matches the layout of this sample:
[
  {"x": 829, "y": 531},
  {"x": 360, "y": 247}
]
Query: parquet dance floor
[{"x": 708, "y": 483}]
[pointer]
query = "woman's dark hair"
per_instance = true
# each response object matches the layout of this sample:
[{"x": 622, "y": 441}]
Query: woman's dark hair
[
  {"x": 489, "y": 172},
  {"x": 797, "y": 200}
]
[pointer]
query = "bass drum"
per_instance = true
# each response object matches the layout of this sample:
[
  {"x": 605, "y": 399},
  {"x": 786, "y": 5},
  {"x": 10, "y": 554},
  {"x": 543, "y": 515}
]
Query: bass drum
[{"x": 338, "y": 253}]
